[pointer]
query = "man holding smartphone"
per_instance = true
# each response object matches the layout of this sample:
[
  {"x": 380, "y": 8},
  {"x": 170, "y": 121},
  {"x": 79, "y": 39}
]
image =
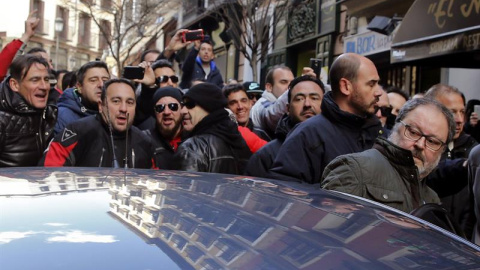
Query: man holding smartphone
[{"x": 199, "y": 64}]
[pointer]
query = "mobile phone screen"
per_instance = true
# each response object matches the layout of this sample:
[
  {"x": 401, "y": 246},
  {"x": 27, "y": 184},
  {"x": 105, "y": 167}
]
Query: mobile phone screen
[{"x": 131, "y": 72}]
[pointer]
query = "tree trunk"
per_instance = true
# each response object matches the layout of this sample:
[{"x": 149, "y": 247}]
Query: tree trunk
[{"x": 253, "y": 65}]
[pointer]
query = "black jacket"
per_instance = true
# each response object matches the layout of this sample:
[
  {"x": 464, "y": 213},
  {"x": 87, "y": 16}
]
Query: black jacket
[
  {"x": 318, "y": 140},
  {"x": 88, "y": 143},
  {"x": 450, "y": 181},
  {"x": 24, "y": 130},
  {"x": 163, "y": 152},
  {"x": 192, "y": 69},
  {"x": 262, "y": 160},
  {"x": 214, "y": 145}
]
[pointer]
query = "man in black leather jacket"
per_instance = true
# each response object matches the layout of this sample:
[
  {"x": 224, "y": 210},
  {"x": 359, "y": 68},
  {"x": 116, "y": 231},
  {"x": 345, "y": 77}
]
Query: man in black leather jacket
[
  {"x": 214, "y": 143},
  {"x": 26, "y": 117}
]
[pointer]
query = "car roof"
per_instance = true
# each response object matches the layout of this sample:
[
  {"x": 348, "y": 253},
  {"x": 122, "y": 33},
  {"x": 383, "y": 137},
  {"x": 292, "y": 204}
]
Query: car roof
[{"x": 93, "y": 218}]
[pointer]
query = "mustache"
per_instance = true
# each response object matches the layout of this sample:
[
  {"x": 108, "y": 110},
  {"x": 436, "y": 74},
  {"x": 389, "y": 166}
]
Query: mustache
[{"x": 309, "y": 110}]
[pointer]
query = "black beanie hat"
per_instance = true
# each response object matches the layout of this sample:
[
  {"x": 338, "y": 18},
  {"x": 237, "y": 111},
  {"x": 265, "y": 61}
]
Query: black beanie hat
[
  {"x": 208, "y": 96},
  {"x": 167, "y": 91}
]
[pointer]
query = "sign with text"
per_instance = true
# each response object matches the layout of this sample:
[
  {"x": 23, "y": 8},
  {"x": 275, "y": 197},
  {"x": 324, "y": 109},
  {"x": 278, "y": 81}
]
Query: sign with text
[{"x": 367, "y": 43}]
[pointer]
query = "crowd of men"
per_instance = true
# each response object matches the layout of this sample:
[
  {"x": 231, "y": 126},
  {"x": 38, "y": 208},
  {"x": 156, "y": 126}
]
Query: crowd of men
[{"x": 352, "y": 136}]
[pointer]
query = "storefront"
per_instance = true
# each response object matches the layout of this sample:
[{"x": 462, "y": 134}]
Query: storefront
[{"x": 444, "y": 34}]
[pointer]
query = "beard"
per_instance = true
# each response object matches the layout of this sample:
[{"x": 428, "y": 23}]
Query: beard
[
  {"x": 427, "y": 167},
  {"x": 170, "y": 132},
  {"x": 361, "y": 105}
]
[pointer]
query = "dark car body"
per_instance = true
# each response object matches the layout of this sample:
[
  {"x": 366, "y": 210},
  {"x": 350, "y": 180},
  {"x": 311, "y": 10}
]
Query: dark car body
[{"x": 84, "y": 218}]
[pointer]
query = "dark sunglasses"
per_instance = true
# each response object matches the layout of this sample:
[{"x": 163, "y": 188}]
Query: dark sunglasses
[
  {"x": 172, "y": 106},
  {"x": 252, "y": 96},
  {"x": 164, "y": 79},
  {"x": 190, "y": 104},
  {"x": 385, "y": 111}
]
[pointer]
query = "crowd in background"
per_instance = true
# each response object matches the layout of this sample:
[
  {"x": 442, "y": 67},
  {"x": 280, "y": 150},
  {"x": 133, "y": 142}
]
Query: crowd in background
[{"x": 354, "y": 135}]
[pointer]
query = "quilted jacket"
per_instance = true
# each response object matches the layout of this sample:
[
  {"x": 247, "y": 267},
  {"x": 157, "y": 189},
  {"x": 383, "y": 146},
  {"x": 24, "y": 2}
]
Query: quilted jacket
[{"x": 24, "y": 131}]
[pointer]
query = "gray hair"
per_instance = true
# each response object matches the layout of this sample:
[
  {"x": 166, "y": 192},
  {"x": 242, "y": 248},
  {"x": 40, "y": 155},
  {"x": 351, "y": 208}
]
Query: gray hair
[{"x": 414, "y": 103}]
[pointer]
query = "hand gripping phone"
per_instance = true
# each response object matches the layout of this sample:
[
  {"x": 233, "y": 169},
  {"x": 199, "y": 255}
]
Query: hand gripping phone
[
  {"x": 316, "y": 65},
  {"x": 192, "y": 35}
]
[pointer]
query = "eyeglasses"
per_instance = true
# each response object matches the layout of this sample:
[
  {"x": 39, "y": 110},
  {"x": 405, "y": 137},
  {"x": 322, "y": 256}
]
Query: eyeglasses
[
  {"x": 190, "y": 104},
  {"x": 252, "y": 96},
  {"x": 414, "y": 135},
  {"x": 385, "y": 111},
  {"x": 164, "y": 79},
  {"x": 159, "y": 108}
]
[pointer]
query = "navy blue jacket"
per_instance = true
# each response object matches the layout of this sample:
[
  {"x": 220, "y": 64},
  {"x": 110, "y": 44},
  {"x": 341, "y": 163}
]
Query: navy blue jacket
[
  {"x": 317, "y": 141},
  {"x": 263, "y": 159},
  {"x": 70, "y": 109},
  {"x": 192, "y": 69}
]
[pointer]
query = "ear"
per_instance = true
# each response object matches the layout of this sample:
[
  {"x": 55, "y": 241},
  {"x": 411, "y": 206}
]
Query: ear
[
  {"x": 268, "y": 87},
  {"x": 288, "y": 108},
  {"x": 79, "y": 87},
  {"x": 346, "y": 87},
  {"x": 100, "y": 107},
  {"x": 14, "y": 85}
]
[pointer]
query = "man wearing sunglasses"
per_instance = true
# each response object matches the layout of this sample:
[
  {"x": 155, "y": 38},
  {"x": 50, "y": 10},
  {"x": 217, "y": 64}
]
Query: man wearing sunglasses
[
  {"x": 214, "y": 143},
  {"x": 393, "y": 172},
  {"x": 383, "y": 111},
  {"x": 167, "y": 133},
  {"x": 159, "y": 74}
]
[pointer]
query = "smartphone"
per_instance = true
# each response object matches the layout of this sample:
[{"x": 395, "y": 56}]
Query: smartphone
[
  {"x": 476, "y": 109},
  {"x": 192, "y": 35},
  {"x": 316, "y": 65},
  {"x": 133, "y": 72}
]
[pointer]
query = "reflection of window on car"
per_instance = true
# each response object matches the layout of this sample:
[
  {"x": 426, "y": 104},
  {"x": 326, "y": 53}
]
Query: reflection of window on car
[
  {"x": 249, "y": 230},
  {"x": 300, "y": 252},
  {"x": 236, "y": 195}
]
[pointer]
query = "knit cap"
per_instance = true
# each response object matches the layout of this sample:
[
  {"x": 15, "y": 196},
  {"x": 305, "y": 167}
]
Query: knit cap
[
  {"x": 167, "y": 91},
  {"x": 208, "y": 96}
]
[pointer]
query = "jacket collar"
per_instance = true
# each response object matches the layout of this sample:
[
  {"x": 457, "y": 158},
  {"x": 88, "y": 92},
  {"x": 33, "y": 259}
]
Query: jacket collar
[
  {"x": 401, "y": 159},
  {"x": 331, "y": 110}
]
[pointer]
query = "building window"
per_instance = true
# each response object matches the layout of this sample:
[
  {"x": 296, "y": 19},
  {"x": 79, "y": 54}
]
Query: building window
[
  {"x": 42, "y": 27},
  {"x": 84, "y": 30},
  {"x": 62, "y": 12}
]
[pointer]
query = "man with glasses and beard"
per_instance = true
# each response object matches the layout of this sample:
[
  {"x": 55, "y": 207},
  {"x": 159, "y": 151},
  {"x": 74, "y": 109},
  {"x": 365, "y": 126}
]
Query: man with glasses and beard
[
  {"x": 346, "y": 125},
  {"x": 106, "y": 139},
  {"x": 167, "y": 133},
  {"x": 393, "y": 172},
  {"x": 214, "y": 143}
]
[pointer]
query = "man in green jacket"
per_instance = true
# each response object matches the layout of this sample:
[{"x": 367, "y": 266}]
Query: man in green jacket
[{"x": 393, "y": 171}]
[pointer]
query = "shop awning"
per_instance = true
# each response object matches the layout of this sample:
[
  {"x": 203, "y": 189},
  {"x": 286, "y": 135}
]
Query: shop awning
[{"x": 439, "y": 32}]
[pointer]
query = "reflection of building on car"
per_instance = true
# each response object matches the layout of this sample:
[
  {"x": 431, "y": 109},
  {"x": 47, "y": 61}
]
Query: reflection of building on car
[
  {"x": 182, "y": 216},
  {"x": 207, "y": 221}
]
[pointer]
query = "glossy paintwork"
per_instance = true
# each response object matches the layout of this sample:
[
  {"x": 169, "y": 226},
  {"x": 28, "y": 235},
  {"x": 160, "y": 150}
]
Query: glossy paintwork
[{"x": 74, "y": 218}]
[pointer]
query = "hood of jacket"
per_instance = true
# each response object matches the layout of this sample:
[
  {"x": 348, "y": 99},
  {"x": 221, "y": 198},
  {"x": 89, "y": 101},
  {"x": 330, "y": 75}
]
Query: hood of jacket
[{"x": 71, "y": 100}]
